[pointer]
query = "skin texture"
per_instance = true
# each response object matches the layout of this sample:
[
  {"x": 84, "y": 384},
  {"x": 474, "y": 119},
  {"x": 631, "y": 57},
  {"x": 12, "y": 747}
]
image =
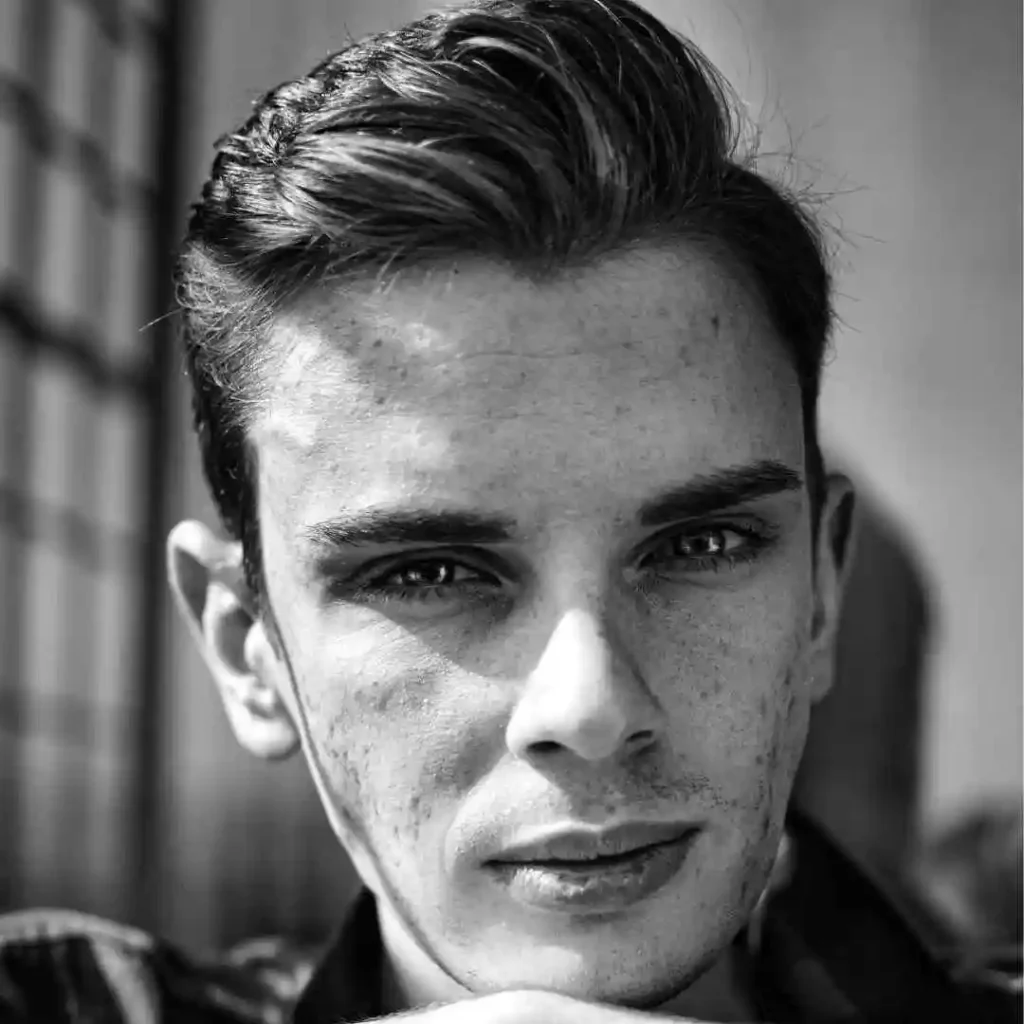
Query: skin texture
[{"x": 588, "y": 670}]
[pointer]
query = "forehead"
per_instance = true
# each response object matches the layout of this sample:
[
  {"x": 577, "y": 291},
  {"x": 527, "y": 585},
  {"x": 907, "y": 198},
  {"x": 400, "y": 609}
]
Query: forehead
[{"x": 470, "y": 384}]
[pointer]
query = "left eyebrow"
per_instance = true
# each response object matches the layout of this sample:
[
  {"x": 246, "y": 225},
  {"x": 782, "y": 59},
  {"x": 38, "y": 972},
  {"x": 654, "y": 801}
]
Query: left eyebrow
[{"x": 718, "y": 491}]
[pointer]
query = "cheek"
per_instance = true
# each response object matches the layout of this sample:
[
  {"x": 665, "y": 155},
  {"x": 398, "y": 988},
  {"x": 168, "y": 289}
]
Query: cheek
[
  {"x": 733, "y": 682},
  {"x": 401, "y": 733}
]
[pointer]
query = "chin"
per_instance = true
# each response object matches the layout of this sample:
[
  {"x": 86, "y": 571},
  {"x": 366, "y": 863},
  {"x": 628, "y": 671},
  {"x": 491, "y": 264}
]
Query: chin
[
  {"x": 631, "y": 986},
  {"x": 641, "y": 967}
]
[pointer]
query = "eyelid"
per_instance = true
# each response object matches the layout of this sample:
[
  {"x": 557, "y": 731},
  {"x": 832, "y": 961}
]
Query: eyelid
[
  {"x": 388, "y": 565},
  {"x": 483, "y": 561},
  {"x": 745, "y": 523}
]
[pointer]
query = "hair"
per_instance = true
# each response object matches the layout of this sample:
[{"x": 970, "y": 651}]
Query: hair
[{"x": 538, "y": 133}]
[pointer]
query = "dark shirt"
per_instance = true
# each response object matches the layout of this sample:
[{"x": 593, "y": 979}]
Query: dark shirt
[{"x": 825, "y": 947}]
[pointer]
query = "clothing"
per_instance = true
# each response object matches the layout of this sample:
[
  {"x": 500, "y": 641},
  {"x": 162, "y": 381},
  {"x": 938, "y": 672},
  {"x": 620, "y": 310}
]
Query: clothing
[{"x": 824, "y": 947}]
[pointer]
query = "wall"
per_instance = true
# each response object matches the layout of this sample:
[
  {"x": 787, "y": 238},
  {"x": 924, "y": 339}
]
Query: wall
[
  {"x": 910, "y": 111},
  {"x": 915, "y": 111}
]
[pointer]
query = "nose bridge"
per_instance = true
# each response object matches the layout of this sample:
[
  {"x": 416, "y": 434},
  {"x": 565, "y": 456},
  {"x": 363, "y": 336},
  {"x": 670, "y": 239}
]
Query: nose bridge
[
  {"x": 577, "y": 648},
  {"x": 583, "y": 605}
]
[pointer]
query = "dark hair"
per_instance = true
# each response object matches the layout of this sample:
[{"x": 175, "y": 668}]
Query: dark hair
[{"x": 536, "y": 132}]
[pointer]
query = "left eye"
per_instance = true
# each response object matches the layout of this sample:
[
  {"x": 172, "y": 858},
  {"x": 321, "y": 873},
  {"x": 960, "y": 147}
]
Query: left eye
[
  {"x": 707, "y": 543},
  {"x": 709, "y": 548}
]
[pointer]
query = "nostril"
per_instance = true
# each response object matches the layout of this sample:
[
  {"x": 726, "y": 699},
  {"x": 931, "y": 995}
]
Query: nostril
[
  {"x": 642, "y": 738},
  {"x": 542, "y": 747}
]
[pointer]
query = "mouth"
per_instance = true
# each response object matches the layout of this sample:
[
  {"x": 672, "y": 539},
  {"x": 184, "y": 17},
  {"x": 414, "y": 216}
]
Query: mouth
[
  {"x": 590, "y": 862},
  {"x": 582, "y": 847},
  {"x": 580, "y": 873}
]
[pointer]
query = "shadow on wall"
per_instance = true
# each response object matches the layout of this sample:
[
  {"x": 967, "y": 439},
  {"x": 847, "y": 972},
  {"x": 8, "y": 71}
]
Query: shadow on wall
[{"x": 861, "y": 775}]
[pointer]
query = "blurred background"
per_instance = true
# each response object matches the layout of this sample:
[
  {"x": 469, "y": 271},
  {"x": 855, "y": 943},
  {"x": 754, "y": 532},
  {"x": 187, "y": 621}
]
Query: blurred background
[{"x": 121, "y": 790}]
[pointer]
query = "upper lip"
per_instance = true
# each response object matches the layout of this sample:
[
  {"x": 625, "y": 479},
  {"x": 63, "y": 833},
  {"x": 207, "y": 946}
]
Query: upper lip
[{"x": 589, "y": 844}]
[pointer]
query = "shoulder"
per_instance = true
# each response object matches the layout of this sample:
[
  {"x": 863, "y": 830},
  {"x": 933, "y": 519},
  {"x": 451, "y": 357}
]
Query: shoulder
[
  {"x": 832, "y": 937},
  {"x": 58, "y": 965}
]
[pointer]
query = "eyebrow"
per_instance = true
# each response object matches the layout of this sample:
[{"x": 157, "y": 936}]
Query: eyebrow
[
  {"x": 715, "y": 492},
  {"x": 380, "y": 526},
  {"x": 701, "y": 496}
]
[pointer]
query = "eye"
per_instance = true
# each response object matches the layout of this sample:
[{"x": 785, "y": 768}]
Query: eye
[
  {"x": 436, "y": 572},
  {"x": 708, "y": 543},
  {"x": 712, "y": 548},
  {"x": 437, "y": 581}
]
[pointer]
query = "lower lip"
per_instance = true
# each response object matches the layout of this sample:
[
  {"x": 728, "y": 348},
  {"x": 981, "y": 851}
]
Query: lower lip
[{"x": 597, "y": 886}]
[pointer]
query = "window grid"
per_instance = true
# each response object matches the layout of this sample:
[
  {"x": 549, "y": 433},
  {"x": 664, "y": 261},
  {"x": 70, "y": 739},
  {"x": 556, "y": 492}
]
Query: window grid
[{"x": 89, "y": 185}]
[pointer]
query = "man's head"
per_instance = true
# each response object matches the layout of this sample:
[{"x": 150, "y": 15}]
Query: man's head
[{"x": 505, "y": 372}]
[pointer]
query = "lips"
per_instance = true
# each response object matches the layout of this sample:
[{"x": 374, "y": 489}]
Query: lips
[
  {"x": 582, "y": 847},
  {"x": 584, "y": 872}
]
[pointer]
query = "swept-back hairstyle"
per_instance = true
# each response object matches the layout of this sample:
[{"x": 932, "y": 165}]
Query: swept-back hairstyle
[{"x": 540, "y": 133}]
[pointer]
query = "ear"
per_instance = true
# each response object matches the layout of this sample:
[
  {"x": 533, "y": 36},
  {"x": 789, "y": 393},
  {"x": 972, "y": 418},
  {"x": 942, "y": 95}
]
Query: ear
[
  {"x": 219, "y": 610},
  {"x": 835, "y": 544}
]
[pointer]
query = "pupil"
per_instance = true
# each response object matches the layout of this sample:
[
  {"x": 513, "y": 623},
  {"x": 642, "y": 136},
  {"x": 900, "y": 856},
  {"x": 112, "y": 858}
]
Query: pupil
[
  {"x": 711, "y": 543},
  {"x": 432, "y": 574}
]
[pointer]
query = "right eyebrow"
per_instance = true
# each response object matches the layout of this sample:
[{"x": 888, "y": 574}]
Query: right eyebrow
[{"x": 384, "y": 526}]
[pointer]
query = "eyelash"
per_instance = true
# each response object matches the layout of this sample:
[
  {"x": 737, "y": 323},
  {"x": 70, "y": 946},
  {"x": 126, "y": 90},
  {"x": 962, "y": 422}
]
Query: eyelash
[{"x": 757, "y": 540}]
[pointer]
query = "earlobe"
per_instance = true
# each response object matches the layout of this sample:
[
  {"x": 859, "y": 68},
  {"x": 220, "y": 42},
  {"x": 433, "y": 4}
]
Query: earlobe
[{"x": 213, "y": 599}]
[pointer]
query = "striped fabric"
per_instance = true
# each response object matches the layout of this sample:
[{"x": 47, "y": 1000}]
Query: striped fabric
[
  {"x": 57, "y": 966},
  {"x": 824, "y": 947}
]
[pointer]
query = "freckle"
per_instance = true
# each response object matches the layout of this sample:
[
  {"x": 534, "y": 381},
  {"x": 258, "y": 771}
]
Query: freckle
[
  {"x": 382, "y": 700},
  {"x": 759, "y": 760},
  {"x": 715, "y": 322},
  {"x": 762, "y": 706},
  {"x": 351, "y": 774},
  {"x": 380, "y": 400},
  {"x": 377, "y": 342}
]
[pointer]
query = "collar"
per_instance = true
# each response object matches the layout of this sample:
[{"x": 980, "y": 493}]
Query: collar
[{"x": 346, "y": 985}]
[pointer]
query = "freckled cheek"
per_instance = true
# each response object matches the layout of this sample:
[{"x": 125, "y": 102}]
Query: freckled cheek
[
  {"x": 730, "y": 698},
  {"x": 404, "y": 736}
]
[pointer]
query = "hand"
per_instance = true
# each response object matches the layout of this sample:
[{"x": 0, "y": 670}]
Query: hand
[{"x": 533, "y": 1006}]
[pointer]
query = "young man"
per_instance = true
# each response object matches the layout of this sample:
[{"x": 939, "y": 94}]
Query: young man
[{"x": 505, "y": 370}]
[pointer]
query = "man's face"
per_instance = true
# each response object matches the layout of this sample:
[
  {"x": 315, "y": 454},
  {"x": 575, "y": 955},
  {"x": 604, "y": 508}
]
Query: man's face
[{"x": 541, "y": 560}]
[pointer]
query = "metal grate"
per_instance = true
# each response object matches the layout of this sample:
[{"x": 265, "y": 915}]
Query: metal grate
[{"x": 89, "y": 101}]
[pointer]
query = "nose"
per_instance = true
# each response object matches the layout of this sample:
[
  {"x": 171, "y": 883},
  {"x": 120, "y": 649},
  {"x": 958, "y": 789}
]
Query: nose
[{"x": 584, "y": 697}]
